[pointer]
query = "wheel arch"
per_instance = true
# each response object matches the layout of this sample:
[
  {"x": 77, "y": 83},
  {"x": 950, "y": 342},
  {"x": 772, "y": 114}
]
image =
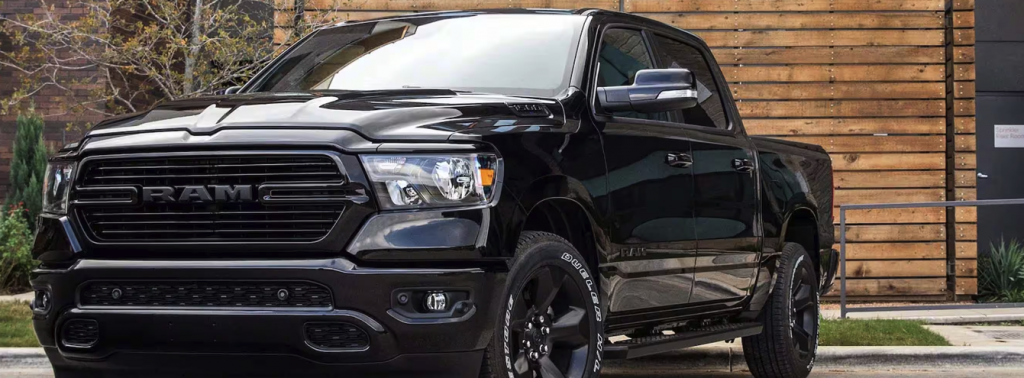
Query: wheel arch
[
  {"x": 563, "y": 206},
  {"x": 569, "y": 219},
  {"x": 801, "y": 227}
]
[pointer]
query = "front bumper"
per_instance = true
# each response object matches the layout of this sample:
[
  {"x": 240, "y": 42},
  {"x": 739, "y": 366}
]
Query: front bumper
[{"x": 262, "y": 341}]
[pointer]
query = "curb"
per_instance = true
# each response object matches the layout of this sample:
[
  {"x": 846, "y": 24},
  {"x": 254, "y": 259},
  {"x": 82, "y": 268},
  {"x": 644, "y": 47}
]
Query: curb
[
  {"x": 933, "y": 317},
  {"x": 730, "y": 359},
  {"x": 23, "y": 358}
]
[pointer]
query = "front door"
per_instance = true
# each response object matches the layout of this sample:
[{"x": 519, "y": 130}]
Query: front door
[
  {"x": 650, "y": 189},
  {"x": 725, "y": 180}
]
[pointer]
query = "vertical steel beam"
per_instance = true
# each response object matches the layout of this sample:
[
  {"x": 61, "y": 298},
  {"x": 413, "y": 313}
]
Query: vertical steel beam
[{"x": 842, "y": 262}]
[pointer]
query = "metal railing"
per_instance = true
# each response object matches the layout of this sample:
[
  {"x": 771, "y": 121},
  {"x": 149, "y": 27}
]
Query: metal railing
[{"x": 950, "y": 204}]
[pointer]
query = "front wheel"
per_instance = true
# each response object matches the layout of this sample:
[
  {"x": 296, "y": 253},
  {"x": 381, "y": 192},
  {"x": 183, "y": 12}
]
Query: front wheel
[
  {"x": 551, "y": 320},
  {"x": 787, "y": 346}
]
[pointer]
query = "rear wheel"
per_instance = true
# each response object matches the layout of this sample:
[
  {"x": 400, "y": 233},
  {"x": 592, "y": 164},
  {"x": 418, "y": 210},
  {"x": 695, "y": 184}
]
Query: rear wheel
[
  {"x": 787, "y": 346},
  {"x": 551, "y": 320}
]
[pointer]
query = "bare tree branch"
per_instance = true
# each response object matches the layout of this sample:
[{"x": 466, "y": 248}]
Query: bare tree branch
[{"x": 123, "y": 55}]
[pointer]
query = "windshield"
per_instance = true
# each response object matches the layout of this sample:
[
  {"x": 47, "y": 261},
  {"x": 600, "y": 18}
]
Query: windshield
[{"x": 523, "y": 54}]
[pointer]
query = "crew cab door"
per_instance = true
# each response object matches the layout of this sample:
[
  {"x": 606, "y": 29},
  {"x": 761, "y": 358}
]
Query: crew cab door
[
  {"x": 650, "y": 190},
  {"x": 725, "y": 178}
]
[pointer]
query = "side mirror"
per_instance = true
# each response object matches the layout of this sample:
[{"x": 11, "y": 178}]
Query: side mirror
[
  {"x": 653, "y": 91},
  {"x": 232, "y": 90}
]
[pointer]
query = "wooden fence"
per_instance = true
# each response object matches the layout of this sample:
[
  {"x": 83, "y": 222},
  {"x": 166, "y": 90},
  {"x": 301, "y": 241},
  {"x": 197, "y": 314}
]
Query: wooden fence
[
  {"x": 962, "y": 164},
  {"x": 886, "y": 86}
]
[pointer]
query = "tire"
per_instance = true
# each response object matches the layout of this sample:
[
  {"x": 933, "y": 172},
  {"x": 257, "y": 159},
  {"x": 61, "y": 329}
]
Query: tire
[
  {"x": 566, "y": 341},
  {"x": 787, "y": 346}
]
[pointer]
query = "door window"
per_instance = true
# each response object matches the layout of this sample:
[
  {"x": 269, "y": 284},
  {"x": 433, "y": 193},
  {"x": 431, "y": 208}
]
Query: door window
[
  {"x": 624, "y": 52},
  {"x": 709, "y": 111}
]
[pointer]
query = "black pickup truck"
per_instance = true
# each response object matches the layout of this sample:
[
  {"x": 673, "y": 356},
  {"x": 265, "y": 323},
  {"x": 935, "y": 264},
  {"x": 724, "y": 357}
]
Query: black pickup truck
[{"x": 515, "y": 193}]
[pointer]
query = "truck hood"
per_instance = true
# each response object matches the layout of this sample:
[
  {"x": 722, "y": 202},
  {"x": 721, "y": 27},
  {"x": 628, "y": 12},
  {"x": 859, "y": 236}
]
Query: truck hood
[{"x": 407, "y": 114}]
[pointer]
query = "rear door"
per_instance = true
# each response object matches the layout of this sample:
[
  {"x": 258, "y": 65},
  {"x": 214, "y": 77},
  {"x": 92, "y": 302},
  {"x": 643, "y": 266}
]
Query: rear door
[
  {"x": 650, "y": 188},
  {"x": 725, "y": 179}
]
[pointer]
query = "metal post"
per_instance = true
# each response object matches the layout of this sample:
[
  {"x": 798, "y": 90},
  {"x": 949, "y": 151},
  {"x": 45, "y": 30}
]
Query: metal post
[
  {"x": 843, "y": 311},
  {"x": 842, "y": 263}
]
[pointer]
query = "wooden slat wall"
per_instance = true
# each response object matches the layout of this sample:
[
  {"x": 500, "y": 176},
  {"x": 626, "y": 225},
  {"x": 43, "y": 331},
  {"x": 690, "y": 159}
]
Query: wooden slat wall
[
  {"x": 877, "y": 83},
  {"x": 962, "y": 124},
  {"x": 866, "y": 80},
  {"x": 354, "y": 10}
]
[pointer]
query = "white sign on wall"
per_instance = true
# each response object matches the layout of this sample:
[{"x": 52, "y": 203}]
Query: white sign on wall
[{"x": 1009, "y": 136}]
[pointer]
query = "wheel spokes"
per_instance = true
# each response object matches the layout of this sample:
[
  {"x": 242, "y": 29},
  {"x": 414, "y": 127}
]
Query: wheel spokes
[
  {"x": 798, "y": 281},
  {"x": 547, "y": 284},
  {"x": 518, "y": 326},
  {"x": 566, "y": 328},
  {"x": 521, "y": 365},
  {"x": 548, "y": 369},
  {"x": 802, "y": 299},
  {"x": 802, "y": 338},
  {"x": 553, "y": 334}
]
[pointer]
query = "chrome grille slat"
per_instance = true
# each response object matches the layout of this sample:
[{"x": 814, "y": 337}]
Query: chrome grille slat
[
  {"x": 208, "y": 213},
  {"x": 148, "y": 222},
  {"x": 218, "y": 222},
  {"x": 136, "y": 177},
  {"x": 216, "y": 166}
]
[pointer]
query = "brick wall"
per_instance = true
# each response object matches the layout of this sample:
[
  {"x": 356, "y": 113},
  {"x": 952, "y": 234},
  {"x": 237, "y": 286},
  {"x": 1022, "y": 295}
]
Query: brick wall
[{"x": 47, "y": 102}]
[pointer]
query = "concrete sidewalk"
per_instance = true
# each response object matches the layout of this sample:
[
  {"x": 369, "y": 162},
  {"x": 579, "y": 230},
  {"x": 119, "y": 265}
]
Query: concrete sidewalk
[
  {"x": 975, "y": 336},
  {"x": 957, "y": 316},
  {"x": 24, "y": 297},
  {"x": 730, "y": 359}
]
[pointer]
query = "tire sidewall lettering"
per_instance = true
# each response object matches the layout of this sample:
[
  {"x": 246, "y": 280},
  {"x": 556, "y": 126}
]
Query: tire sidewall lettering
[
  {"x": 580, "y": 268},
  {"x": 506, "y": 347}
]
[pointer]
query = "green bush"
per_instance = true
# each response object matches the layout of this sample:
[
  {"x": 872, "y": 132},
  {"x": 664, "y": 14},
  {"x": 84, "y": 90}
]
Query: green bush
[
  {"x": 15, "y": 251},
  {"x": 1001, "y": 273},
  {"x": 28, "y": 166}
]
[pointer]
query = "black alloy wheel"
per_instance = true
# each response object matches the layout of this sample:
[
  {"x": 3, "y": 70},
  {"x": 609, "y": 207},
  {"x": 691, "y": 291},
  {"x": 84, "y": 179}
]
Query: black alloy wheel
[
  {"x": 553, "y": 338},
  {"x": 804, "y": 313},
  {"x": 550, "y": 322}
]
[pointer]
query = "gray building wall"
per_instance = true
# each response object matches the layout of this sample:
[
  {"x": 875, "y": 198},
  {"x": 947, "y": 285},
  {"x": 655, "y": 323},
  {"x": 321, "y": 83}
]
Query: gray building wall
[{"x": 1000, "y": 101}]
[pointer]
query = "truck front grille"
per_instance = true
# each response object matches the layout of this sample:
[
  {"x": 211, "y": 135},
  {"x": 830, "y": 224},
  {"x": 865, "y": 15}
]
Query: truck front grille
[
  {"x": 204, "y": 294},
  {"x": 290, "y": 198}
]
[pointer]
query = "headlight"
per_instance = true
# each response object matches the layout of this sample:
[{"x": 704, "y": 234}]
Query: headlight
[
  {"x": 421, "y": 181},
  {"x": 56, "y": 185}
]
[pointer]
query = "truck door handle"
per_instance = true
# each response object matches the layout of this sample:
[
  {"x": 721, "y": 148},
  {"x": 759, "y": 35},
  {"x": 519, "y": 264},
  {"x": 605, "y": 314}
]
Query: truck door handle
[
  {"x": 678, "y": 160},
  {"x": 742, "y": 165}
]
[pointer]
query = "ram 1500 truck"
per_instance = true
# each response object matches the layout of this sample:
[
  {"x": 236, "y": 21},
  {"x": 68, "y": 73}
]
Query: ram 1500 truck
[{"x": 456, "y": 194}]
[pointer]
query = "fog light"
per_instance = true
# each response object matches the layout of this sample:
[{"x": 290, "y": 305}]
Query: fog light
[
  {"x": 436, "y": 301},
  {"x": 42, "y": 301}
]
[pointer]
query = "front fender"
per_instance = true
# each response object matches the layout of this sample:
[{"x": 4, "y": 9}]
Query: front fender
[{"x": 564, "y": 193}]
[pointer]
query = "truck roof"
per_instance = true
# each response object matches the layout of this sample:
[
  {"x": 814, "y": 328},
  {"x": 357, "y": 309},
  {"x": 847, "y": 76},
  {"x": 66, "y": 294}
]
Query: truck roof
[{"x": 580, "y": 11}]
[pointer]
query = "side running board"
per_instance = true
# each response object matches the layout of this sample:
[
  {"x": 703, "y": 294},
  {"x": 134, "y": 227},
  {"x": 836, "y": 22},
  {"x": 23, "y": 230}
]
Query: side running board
[{"x": 648, "y": 345}]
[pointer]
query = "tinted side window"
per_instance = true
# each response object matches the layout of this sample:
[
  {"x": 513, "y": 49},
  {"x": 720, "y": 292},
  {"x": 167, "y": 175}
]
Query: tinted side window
[
  {"x": 709, "y": 110},
  {"x": 623, "y": 53}
]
